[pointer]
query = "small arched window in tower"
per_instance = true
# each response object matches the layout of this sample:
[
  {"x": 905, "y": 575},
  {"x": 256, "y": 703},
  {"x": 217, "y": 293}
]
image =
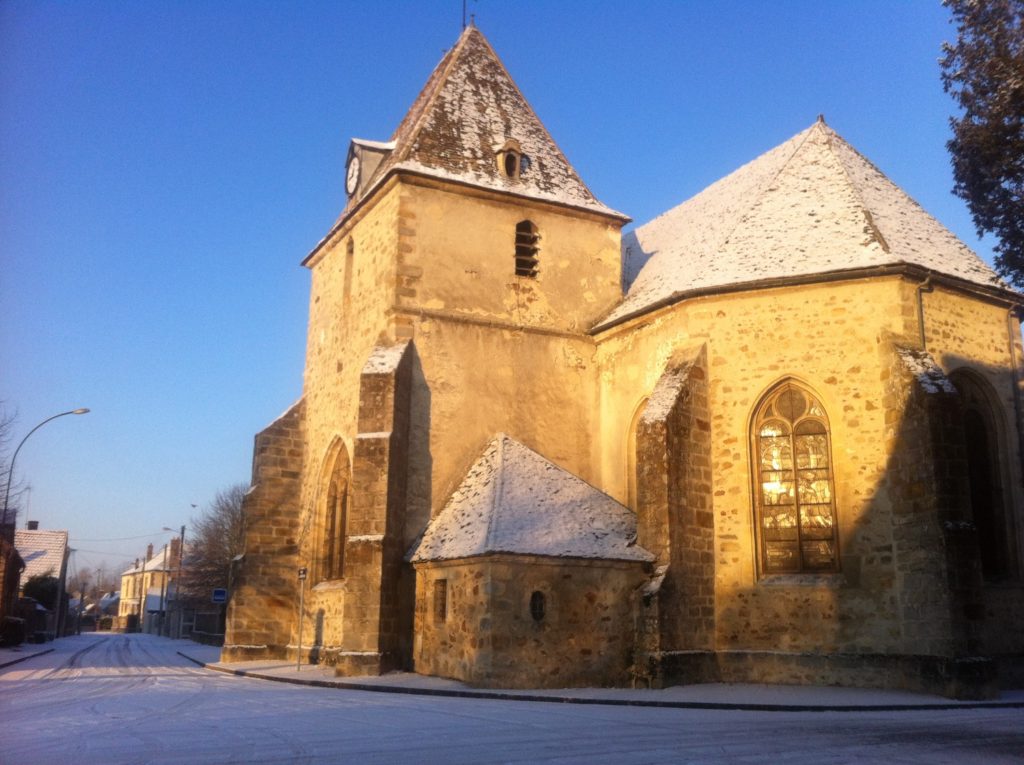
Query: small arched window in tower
[
  {"x": 792, "y": 457},
  {"x": 350, "y": 253},
  {"x": 538, "y": 605},
  {"x": 527, "y": 238},
  {"x": 511, "y": 161}
]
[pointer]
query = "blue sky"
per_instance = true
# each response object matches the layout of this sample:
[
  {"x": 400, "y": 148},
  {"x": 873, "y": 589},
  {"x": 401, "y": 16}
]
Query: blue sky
[{"x": 165, "y": 166}]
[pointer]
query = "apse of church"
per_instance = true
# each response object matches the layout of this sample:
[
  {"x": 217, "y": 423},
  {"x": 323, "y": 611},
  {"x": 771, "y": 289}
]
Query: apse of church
[{"x": 788, "y": 452}]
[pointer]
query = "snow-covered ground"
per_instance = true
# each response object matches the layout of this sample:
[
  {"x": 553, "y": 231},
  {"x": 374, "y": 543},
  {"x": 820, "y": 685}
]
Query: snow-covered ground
[{"x": 133, "y": 699}]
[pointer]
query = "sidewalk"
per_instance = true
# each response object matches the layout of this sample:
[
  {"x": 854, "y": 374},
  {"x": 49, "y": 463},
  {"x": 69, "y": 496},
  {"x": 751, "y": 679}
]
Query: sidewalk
[
  {"x": 23, "y": 652},
  {"x": 753, "y": 697}
]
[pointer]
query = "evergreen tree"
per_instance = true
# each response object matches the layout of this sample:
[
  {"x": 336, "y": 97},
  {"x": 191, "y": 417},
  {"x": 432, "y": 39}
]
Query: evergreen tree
[
  {"x": 984, "y": 71},
  {"x": 44, "y": 588}
]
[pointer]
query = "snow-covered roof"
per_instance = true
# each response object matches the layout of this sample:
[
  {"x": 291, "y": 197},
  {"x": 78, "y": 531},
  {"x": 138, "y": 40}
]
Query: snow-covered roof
[
  {"x": 42, "y": 551},
  {"x": 161, "y": 560},
  {"x": 813, "y": 205},
  {"x": 465, "y": 114},
  {"x": 515, "y": 501},
  {"x": 384, "y": 359}
]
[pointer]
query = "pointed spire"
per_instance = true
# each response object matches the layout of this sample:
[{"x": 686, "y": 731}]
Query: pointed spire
[{"x": 471, "y": 124}]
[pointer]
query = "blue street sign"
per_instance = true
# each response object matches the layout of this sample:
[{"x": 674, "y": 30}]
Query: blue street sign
[{"x": 220, "y": 595}]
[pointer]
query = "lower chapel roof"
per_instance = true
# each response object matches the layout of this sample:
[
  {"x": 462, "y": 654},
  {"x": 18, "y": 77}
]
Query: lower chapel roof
[
  {"x": 513, "y": 500},
  {"x": 810, "y": 206}
]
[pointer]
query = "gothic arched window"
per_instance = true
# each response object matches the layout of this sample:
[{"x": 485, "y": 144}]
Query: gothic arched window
[
  {"x": 982, "y": 437},
  {"x": 632, "y": 463},
  {"x": 795, "y": 502},
  {"x": 334, "y": 515}
]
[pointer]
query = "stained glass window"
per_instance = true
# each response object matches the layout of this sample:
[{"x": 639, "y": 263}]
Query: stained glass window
[{"x": 795, "y": 498}]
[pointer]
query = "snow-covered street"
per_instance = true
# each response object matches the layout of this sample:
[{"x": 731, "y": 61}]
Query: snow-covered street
[{"x": 132, "y": 699}]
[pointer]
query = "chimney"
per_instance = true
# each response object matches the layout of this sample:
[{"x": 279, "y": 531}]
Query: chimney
[
  {"x": 175, "y": 544},
  {"x": 149, "y": 551},
  {"x": 33, "y": 525}
]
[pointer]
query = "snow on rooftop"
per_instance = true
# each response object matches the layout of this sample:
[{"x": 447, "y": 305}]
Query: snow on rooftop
[
  {"x": 922, "y": 366},
  {"x": 515, "y": 501},
  {"x": 812, "y": 205},
  {"x": 384, "y": 359},
  {"x": 467, "y": 111},
  {"x": 43, "y": 551},
  {"x": 383, "y": 145}
]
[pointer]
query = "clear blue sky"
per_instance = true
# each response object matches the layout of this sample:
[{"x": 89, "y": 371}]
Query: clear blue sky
[{"x": 165, "y": 166}]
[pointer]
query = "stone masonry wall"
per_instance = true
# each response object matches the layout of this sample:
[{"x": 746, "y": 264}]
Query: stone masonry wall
[
  {"x": 674, "y": 501},
  {"x": 938, "y": 576},
  {"x": 826, "y": 337},
  {"x": 834, "y": 339},
  {"x": 499, "y": 352},
  {"x": 377, "y": 618},
  {"x": 353, "y": 283},
  {"x": 490, "y": 639},
  {"x": 964, "y": 333},
  {"x": 262, "y": 610}
]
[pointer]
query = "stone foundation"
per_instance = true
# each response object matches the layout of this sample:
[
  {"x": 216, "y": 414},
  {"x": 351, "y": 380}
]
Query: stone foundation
[{"x": 958, "y": 678}]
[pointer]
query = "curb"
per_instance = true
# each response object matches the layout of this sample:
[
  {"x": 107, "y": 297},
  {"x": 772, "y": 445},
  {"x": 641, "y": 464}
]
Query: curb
[
  {"x": 713, "y": 705},
  {"x": 26, "y": 658}
]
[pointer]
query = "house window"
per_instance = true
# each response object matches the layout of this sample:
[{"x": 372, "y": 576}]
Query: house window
[
  {"x": 440, "y": 601},
  {"x": 527, "y": 238},
  {"x": 794, "y": 495},
  {"x": 335, "y": 520}
]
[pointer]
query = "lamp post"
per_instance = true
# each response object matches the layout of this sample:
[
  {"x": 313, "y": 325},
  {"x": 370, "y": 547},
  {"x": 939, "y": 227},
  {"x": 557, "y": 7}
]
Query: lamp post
[
  {"x": 177, "y": 580},
  {"x": 10, "y": 472},
  {"x": 163, "y": 592}
]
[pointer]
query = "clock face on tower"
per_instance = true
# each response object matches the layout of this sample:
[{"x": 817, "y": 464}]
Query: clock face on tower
[{"x": 352, "y": 178}]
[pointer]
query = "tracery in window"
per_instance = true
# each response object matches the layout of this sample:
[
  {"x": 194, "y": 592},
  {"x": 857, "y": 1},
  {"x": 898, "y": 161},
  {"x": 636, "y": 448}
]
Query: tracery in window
[
  {"x": 334, "y": 518},
  {"x": 527, "y": 239},
  {"x": 794, "y": 491}
]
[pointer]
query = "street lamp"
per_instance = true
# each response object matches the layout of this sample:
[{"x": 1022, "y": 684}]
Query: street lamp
[
  {"x": 177, "y": 581},
  {"x": 10, "y": 472}
]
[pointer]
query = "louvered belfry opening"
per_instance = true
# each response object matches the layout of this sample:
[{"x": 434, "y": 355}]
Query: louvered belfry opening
[{"x": 526, "y": 248}]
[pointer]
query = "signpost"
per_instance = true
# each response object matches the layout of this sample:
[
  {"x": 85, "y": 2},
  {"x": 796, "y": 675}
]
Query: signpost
[{"x": 302, "y": 609}]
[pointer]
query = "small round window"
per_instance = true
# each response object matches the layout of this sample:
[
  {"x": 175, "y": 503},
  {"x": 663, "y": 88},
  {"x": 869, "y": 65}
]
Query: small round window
[{"x": 538, "y": 605}]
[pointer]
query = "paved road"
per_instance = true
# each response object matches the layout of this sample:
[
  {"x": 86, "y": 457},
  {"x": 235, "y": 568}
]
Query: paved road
[{"x": 132, "y": 699}]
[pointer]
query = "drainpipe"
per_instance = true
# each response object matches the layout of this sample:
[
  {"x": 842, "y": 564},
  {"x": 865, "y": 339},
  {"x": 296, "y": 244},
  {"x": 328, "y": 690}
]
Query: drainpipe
[{"x": 925, "y": 286}]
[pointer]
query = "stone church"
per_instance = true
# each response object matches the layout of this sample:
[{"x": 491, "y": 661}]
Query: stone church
[{"x": 773, "y": 435}]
